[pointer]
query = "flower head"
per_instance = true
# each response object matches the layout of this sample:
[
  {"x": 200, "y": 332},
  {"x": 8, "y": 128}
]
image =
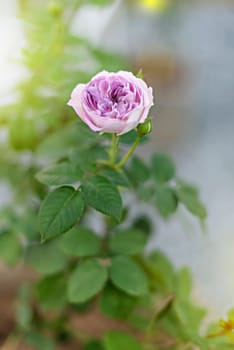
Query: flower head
[{"x": 112, "y": 102}]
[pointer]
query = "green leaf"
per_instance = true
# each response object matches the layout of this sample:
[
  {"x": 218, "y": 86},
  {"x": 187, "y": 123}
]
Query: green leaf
[
  {"x": 51, "y": 292},
  {"x": 10, "y": 248},
  {"x": 86, "y": 281},
  {"x": 189, "y": 196},
  {"x": 164, "y": 306},
  {"x": 129, "y": 241},
  {"x": 116, "y": 177},
  {"x": 46, "y": 258},
  {"x": 183, "y": 284},
  {"x": 60, "y": 174},
  {"x": 51, "y": 147},
  {"x": 60, "y": 211},
  {"x": 87, "y": 159},
  {"x": 23, "y": 310},
  {"x": 128, "y": 276},
  {"x": 102, "y": 195},
  {"x": 115, "y": 303},
  {"x": 130, "y": 137},
  {"x": 146, "y": 193},
  {"x": 188, "y": 314},
  {"x": 163, "y": 168},
  {"x": 81, "y": 241},
  {"x": 166, "y": 201},
  {"x": 75, "y": 134},
  {"x": 162, "y": 270},
  {"x": 115, "y": 340},
  {"x": 39, "y": 341},
  {"x": 138, "y": 171},
  {"x": 27, "y": 224},
  {"x": 93, "y": 345}
]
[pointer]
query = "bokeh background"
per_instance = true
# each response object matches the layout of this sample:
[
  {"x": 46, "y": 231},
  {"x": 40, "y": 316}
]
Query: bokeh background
[{"x": 186, "y": 52}]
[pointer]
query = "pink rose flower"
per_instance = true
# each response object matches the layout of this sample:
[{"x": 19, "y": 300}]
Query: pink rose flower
[{"x": 112, "y": 102}]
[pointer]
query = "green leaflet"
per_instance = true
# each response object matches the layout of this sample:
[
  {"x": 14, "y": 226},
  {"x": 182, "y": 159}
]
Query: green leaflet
[
  {"x": 116, "y": 177},
  {"x": 138, "y": 171},
  {"x": 80, "y": 241},
  {"x": 46, "y": 258},
  {"x": 189, "y": 196},
  {"x": 129, "y": 242},
  {"x": 60, "y": 174},
  {"x": 166, "y": 201},
  {"x": 10, "y": 248},
  {"x": 86, "y": 281},
  {"x": 60, "y": 211},
  {"x": 39, "y": 341},
  {"x": 103, "y": 196},
  {"x": 51, "y": 292},
  {"x": 115, "y": 303},
  {"x": 163, "y": 168},
  {"x": 127, "y": 275},
  {"x": 115, "y": 340}
]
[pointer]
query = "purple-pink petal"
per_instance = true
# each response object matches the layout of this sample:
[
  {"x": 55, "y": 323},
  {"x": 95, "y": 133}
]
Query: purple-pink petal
[{"x": 112, "y": 102}]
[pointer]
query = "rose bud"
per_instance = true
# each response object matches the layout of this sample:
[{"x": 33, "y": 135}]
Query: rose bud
[
  {"x": 112, "y": 102},
  {"x": 145, "y": 128}
]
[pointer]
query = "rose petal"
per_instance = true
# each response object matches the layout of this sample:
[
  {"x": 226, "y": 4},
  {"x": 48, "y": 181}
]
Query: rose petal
[
  {"x": 112, "y": 102},
  {"x": 76, "y": 103}
]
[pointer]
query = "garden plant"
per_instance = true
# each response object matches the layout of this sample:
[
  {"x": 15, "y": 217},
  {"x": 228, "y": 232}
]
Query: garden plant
[{"x": 70, "y": 161}]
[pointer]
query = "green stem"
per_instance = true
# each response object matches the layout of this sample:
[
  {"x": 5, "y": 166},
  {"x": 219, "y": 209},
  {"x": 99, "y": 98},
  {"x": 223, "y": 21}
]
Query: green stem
[
  {"x": 130, "y": 152},
  {"x": 114, "y": 148}
]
